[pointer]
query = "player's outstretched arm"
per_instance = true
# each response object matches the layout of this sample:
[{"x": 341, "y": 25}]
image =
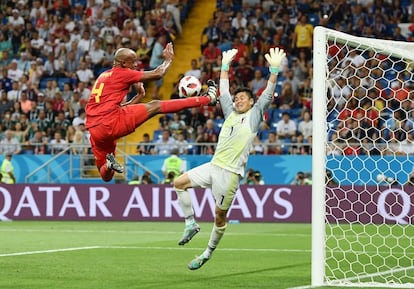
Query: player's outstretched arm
[
  {"x": 274, "y": 58},
  {"x": 161, "y": 70},
  {"x": 226, "y": 100},
  {"x": 226, "y": 59}
]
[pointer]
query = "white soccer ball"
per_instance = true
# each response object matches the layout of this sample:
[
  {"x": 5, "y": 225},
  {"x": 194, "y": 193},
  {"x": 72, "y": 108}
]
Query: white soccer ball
[{"x": 189, "y": 86}]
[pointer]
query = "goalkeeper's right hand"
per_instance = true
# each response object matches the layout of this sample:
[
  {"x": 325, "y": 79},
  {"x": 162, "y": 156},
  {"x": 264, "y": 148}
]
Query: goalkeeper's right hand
[
  {"x": 212, "y": 92},
  {"x": 227, "y": 58}
]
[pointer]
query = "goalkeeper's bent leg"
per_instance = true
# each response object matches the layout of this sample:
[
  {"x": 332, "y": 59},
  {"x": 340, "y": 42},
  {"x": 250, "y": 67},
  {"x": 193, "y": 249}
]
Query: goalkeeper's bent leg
[{"x": 184, "y": 200}]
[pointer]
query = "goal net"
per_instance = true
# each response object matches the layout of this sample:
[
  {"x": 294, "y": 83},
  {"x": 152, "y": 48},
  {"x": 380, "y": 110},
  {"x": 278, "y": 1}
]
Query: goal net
[{"x": 363, "y": 148}]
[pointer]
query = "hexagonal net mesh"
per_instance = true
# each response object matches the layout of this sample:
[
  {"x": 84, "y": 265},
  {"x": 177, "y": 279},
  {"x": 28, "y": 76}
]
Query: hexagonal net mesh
[{"x": 367, "y": 152}]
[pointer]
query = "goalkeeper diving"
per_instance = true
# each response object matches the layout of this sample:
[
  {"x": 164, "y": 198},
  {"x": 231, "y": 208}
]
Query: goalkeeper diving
[{"x": 243, "y": 115}]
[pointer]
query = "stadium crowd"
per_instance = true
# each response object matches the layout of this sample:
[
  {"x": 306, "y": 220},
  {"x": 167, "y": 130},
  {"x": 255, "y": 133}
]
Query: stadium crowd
[{"x": 51, "y": 51}]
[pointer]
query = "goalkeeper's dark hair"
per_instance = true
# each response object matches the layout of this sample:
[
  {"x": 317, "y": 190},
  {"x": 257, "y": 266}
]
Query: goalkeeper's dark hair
[{"x": 246, "y": 90}]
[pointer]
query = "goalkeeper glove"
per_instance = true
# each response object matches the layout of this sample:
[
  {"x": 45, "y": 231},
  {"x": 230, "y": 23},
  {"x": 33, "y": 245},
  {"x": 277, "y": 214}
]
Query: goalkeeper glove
[
  {"x": 274, "y": 58},
  {"x": 227, "y": 58},
  {"x": 212, "y": 92}
]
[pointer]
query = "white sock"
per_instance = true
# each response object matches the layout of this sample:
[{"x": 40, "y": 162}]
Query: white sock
[
  {"x": 184, "y": 200},
  {"x": 215, "y": 237}
]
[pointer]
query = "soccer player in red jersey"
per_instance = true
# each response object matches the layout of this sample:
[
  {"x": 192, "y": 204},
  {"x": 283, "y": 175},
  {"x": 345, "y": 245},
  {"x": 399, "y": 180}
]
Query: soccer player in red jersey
[{"x": 108, "y": 115}]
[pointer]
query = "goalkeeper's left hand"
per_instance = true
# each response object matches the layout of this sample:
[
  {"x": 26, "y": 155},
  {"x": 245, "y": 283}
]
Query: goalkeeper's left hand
[{"x": 274, "y": 58}]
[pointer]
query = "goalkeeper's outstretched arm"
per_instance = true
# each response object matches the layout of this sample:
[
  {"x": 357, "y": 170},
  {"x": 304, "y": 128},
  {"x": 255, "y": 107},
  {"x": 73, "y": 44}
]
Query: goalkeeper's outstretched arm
[{"x": 226, "y": 100}]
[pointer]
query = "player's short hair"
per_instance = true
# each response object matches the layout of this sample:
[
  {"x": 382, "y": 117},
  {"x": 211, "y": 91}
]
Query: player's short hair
[{"x": 246, "y": 90}]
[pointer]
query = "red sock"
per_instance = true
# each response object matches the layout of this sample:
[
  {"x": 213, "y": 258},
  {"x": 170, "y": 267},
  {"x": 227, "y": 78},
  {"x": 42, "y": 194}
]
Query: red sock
[
  {"x": 176, "y": 105},
  {"x": 106, "y": 174}
]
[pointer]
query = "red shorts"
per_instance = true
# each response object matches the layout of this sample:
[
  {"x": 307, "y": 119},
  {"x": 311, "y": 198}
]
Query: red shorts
[{"x": 114, "y": 125}]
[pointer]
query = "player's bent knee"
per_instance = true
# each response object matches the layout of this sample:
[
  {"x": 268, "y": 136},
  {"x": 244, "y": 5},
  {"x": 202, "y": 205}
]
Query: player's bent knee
[
  {"x": 153, "y": 107},
  {"x": 182, "y": 182}
]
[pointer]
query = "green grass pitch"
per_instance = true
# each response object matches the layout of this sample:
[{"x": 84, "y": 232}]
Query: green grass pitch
[{"x": 129, "y": 255}]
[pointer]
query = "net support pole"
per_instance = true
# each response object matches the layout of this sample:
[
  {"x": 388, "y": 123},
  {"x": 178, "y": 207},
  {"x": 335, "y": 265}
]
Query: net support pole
[{"x": 319, "y": 156}]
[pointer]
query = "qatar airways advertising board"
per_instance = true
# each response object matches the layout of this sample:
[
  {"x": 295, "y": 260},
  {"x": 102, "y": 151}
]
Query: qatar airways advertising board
[{"x": 264, "y": 203}]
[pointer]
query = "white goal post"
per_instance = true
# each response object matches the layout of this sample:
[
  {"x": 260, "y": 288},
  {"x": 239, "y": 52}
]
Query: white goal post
[{"x": 363, "y": 148}]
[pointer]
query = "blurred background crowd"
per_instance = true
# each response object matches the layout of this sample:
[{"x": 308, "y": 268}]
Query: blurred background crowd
[{"x": 51, "y": 51}]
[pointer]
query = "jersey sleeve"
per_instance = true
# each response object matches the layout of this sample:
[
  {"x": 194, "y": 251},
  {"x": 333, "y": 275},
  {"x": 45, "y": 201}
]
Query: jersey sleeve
[
  {"x": 226, "y": 100},
  {"x": 261, "y": 106}
]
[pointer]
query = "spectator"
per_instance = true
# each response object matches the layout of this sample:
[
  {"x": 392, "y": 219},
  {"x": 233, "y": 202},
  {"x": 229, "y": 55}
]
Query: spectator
[
  {"x": 7, "y": 170},
  {"x": 286, "y": 128},
  {"x": 258, "y": 82},
  {"x": 172, "y": 7},
  {"x": 86, "y": 42},
  {"x": 52, "y": 67},
  {"x": 211, "y": 33},
  {"x": 145, "y": 147},
  {"x": 5, "y": 103},
  {"x": 239, "y": 21},
  {"x": 79, "y": 119},
  {"x": 23, "y": 64},
  {"x": 165, "y": 144},
  {"x": 301, "y": 179},
  {"x": 248, "y": 177},
  {"x": 19, "y": 132},
  {"x": 181, "y": 143},
  {"x": 330, "y": 179},
  {"x": 44, "y": 124},
  {"x": 10, "y": 144},
  {"x": 5, "y": 80},
  {"x": 176, "y": 124},
  {"x": 300, "y": 146},
  {"x": 57, "y": 144},
  {"x": 287, "y": 98},
  {"x": 84, "y": 91},
  {"x": 174, "y": 164},
  {"x": 211, "y": 55},
  {"x": 146, "y": 178},
  {"x": 79, "y": 145},
  {"x": 244, "y": 72},
  {"x": 14, "y": 73},
  {"x": 305, "y": 125},
  {"x": 85, "y": 74},
  {"x": 258, "y": 178},
  {"x": 272, "y": 145},
  {"x": 61, "y": 124},
  {"x": 16, "y": 20},
  {"x": 70, "y": 64},
  {"x": 98, "y": 56},
  {"x": 25, "y": 103},
  {"x": 38, "y": 143},
  {"x": 157, "y": 59},
  {"x": 13, "y": 94},
  {"x": 195, "y": 70},
  {"x": 5, "y": 43},
  {"x": 169, "y": 180},
  {"x": 303, "y": 37}
]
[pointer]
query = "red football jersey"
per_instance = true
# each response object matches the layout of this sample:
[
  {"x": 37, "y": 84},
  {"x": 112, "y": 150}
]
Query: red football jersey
[{"x": 108, "y": 92}]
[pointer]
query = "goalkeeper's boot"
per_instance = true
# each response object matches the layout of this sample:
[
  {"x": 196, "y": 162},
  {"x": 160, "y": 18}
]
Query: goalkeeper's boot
[
  {"x": 212, "y": 92},
  {"x": 189, "y": 232},
  {"x": 198, "y": 262},
  {"x": 112, "y": 164}
]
